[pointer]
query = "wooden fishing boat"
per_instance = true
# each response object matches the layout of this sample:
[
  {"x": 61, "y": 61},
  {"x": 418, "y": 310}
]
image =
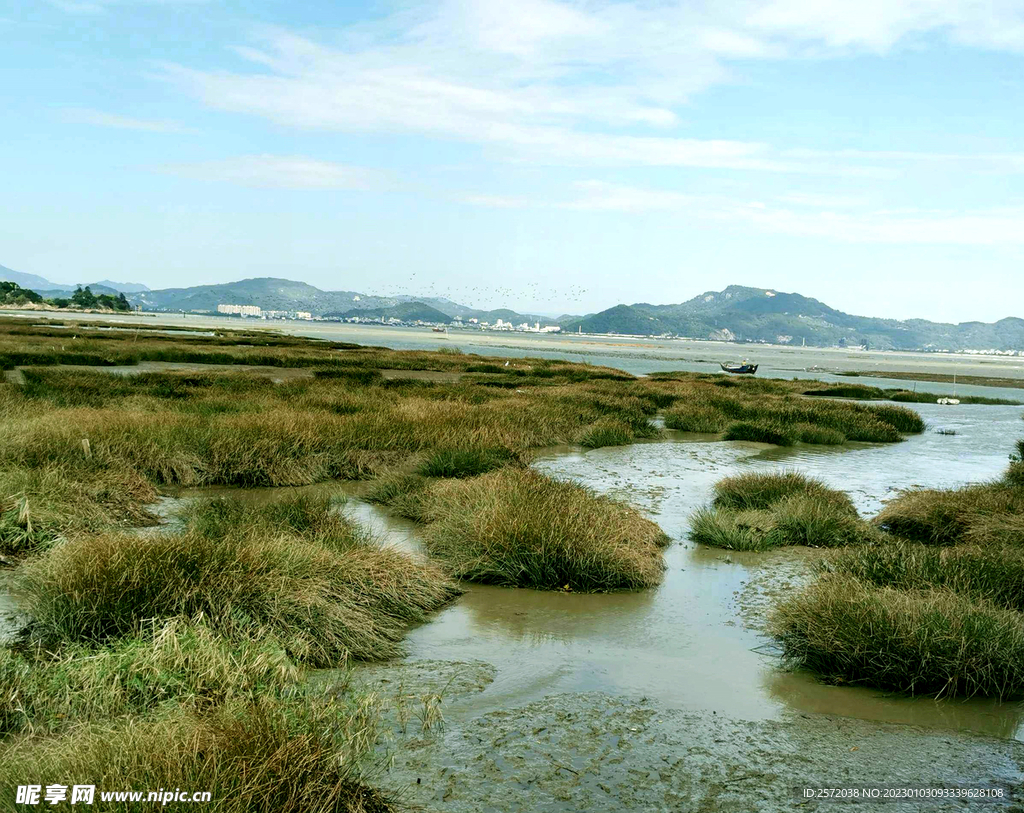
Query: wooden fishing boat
[{"x": 739, "y": 368}]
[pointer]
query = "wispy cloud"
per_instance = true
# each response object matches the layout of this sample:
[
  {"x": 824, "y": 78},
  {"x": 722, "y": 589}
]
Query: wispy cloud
[
  {"x": 600, "y": 83},
  {"x": 807, "y": 216},
  {"x": 280, "y": 172},
  {"x": 101, "y": 6},
  {"x": 98, "y": 118}
]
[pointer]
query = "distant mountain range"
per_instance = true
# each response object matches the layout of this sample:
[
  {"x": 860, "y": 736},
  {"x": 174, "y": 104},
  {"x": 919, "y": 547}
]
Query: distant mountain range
[
  {"x": 49, "y": 289},
  {"x": 735, "y": 314},
  {"x": 270, "y": 293},
  {"x": 766, "y": 315}
]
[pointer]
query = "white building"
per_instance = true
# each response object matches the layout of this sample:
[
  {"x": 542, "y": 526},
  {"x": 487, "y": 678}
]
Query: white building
[{"x": 240, "y": 310}]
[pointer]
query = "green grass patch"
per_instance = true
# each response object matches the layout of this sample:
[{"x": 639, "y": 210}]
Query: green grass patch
[
  {"x": 932, "y": 642},
  {"x": 993, "y": 574},
  {"x": 761, "y": 511},
  {"x": 305, "y": 756},
  {"x": 606, "y": 432},
  {"x": 687, "y": 418},
  {"x": 760, "y": 490},
  {"x": 518, "y": 528},
  {"x": 177, "y": 662},
  {"x": 760, "y": 432},
  {"x": 464, "y": 462},
  {"x": 294, "y": 570}
]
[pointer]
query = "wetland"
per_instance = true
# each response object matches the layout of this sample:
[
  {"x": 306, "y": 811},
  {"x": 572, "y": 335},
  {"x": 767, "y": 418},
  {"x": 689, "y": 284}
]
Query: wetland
[{"x": 392, "y": 513}]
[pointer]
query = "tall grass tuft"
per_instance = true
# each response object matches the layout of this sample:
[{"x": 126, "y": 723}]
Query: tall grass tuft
[
  {"x": 307, "y": 756},
  {"x": 690, "y": 418},
  {"x": 764, "y": 489},
  {"x": 760, "y": 431},
  {"x": 518, "y": 528},
  {"x": 178, "y": 662},
  {"x": 921, "y": 642},
  {"x": 465, "y": 461},
  {"x": 324, "y": 591},
  {"x": 606, "y": 432},
  {"x": 991, "y": 573},
  {"x": 760, "y": 511},
  {"x": 969, "y": 514}
]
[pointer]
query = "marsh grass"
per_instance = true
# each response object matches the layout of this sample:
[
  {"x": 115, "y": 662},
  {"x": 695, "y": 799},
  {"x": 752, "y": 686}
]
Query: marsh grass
[
  {"x": 867, "y": 393},
  {"x": 517, "y": 528},
  {"x": 933, "y": 642},
  {"x": 775, "y": 411},
  {"x": 606, "y": 432},
  {"x": 705, "y": 420},
  {"x": 993, "y": 574},
  {"x": 760, "y": 490},
  {"x": 760, "y": 511},
  {"x": 318, "y": 586},
  {"x": 979, "y": 514},
  {"x": 306, "y": 756},
  {"x": 465, "y": 461},
  {"x": 796, "y": 520},
  {"x": 178, "y": 663},
  {"x": 760, "y": 432}
]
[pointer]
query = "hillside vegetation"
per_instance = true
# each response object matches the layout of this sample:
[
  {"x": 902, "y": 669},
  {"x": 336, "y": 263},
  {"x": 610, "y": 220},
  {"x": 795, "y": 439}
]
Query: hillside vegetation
[{"x": 765, "y": 315}]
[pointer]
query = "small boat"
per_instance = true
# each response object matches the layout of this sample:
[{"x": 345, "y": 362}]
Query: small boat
[
  {"x": 954, "y": 401},
  {"x": 739, "y": 369},
  {"x": 439, "y": 329}
]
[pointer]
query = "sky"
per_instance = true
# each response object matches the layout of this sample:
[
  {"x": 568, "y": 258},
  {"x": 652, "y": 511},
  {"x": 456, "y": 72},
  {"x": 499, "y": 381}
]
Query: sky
[{"x": 555, "y": 157}]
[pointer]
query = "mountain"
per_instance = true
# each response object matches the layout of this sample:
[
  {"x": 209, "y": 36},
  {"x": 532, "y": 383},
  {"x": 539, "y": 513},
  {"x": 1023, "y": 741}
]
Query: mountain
[
  {"x": 403, "y": 311},
  {"x": 271, "y": 293},
  {"x": 121, "y": 287},
  {"x": 268, "y": 293},
  {"x": 30, "y": 281},
  {"x": 44, "y": 287},
  {"x": 765, "y": 315}
]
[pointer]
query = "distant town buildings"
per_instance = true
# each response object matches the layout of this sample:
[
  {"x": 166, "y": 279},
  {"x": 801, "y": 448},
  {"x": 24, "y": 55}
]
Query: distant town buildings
[
  {"x": 240, "y": 310},
  {"x": 255, "y": 310}
]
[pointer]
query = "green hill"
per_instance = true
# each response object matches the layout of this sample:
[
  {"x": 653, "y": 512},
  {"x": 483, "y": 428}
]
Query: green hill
[{"x": 765, "y": 315}]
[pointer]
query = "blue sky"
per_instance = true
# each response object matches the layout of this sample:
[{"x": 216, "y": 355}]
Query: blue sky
[{"x": 553, "y": 156}]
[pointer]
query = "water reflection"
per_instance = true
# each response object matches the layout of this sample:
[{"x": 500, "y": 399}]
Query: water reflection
[
  {"x": 801, "y": 692},
  {"x": 683, "y": 643}
]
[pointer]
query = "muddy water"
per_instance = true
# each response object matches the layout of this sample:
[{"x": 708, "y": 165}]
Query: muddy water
[
  {"x": 11, "y": 619},
  {"x": 696, "y": 642}
]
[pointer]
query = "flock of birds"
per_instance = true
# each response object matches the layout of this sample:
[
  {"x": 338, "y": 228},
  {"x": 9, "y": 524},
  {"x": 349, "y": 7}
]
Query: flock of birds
[{"x": 494, "y": 296}]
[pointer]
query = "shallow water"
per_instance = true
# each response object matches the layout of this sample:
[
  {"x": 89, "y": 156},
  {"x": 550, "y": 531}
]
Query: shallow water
[{"x": 694, "y": 642}]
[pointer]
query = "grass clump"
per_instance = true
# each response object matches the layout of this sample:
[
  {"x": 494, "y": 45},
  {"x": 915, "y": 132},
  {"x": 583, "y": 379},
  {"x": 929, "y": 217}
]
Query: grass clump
[
  {"x": 464, "y": 462},
  {"x": 760, "y": 490},
  {"x": 688, "y": 418},
  {"x": 796, "y": 520},
  {"x": 978, "y": 514},
  {"x": 306, "y": 756},
  {"x": 992, "y": 574},
  {"x": 819, "y": 435},
  {"x": 921, "y": 642},
  {"x": 760, "y": 511},
  {"x": 518, "y": 528},
  {"x": 317, "y": 585},
  {"x": 178, "y": 662},
  {"x": 760, "y": 432},
  {"x": 606, "y": 432}
]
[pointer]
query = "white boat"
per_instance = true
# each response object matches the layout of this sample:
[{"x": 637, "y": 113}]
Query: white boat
[{"x": 954, "y": 401}]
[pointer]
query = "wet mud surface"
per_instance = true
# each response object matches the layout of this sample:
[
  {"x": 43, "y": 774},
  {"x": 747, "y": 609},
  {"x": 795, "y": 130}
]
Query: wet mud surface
[{"x": 593, "y": 751}]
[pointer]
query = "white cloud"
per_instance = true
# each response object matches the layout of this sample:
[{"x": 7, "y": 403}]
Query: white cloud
[
  {"x": 809, "y": 216},
  {"x": 280, "y": 172},
  {"x": 573, "y": 82},
  {"x": 101, "y": 119},
  {"x": 102, "y": 6}
]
